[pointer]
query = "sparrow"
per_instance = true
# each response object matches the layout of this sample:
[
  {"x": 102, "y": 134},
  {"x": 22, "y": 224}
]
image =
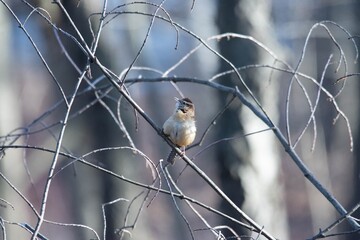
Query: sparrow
[{"x": 180, "y": 128}]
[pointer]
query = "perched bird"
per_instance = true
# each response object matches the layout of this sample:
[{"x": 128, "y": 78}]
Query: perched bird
[{"x": 180, "y": 127}]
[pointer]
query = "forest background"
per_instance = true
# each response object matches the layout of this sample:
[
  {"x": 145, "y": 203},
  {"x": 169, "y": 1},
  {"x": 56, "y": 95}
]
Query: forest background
[{"x": 85, "y": 87}]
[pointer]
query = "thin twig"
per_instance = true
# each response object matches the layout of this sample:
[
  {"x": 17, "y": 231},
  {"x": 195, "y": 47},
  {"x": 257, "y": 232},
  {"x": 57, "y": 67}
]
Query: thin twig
[
  {"x": 166, "y": 176},
  {"x": 135, "y": 183},
  {"x": 55, "y": 160},
  {"x": 22, "y": 27},
  {"x": 314, "y": 108},
  {"x": 104, "y": 214}
]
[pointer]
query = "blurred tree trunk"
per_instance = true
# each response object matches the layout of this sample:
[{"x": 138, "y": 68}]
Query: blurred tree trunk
[
  {"x": 331, "y": 144},
  {"x": 10, "y": 118},
  {"x": 249, "y": 168},
  {"x": 356, "y": 186},
  {"x": 229, "y": 158},
  {"x": 95, "y": 128}
]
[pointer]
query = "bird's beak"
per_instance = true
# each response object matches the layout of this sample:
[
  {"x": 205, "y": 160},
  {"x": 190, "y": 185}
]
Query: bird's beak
[{"x": 176, "y": 99}]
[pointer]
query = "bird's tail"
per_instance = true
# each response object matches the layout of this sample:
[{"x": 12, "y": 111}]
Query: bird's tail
[{"x": 171, "y": 158}]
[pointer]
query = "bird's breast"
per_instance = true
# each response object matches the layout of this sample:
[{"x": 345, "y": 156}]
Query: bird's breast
[{"x": 184, "y": 133}]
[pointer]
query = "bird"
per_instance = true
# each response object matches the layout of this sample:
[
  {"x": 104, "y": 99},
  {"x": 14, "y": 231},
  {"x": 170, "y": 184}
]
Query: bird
[{"x": 180, "y": 127}]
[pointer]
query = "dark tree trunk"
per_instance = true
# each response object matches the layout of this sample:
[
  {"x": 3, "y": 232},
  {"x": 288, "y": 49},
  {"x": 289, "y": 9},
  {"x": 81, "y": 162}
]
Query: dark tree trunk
[{"x": 231, "y": 157}]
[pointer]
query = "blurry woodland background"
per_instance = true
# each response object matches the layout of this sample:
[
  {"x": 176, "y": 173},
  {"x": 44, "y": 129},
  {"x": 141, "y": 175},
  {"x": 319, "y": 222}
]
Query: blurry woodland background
[{"x": 77, "y": 157}]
